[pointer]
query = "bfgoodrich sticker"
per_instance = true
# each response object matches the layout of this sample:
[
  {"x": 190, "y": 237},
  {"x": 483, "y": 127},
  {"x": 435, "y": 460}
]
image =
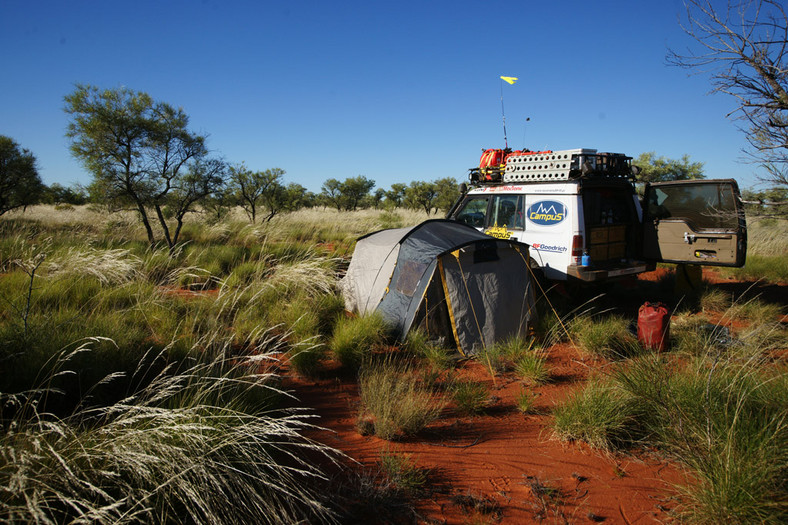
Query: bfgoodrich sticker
[
  {"x": 548, "y": 248},
  {"x": 546, "y": 213}
]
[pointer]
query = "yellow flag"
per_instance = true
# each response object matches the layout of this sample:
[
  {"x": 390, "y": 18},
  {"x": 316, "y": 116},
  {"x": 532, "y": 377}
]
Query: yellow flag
[{"x": 510, "y": 80}]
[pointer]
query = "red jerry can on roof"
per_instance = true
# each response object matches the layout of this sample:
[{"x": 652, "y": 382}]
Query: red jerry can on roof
[
  {"x": 491, "y": 158},
  {"x": 491, "y": 164}
]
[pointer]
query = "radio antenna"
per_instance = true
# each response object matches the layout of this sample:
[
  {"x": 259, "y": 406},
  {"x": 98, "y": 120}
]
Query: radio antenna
[{"x": 510, "y": 81}]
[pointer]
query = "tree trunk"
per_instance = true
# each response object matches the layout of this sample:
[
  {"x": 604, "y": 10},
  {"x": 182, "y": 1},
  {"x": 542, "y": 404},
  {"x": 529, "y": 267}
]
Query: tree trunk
[
  {"x": 178, "y": 226},
  {"x": 164, "y": 227},
  {"x": 145, "y": 222}
]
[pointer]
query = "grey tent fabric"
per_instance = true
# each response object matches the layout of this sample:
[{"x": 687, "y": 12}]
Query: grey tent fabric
[
  {"x": 370, "y": 269},
  {"x": 445, "y": 278},
  {"x": 488, "y": 302}
]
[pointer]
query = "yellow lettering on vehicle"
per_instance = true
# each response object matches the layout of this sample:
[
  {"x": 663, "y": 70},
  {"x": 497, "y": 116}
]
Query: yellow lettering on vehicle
[
  {"x": 556, "y": 217},
  {"x": 499, "y": 232}
]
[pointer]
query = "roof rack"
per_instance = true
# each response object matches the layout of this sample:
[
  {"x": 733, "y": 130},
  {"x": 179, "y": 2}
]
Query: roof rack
[
  {"x": 551, "y": 166},
  {"x": 566, "y": 165}
]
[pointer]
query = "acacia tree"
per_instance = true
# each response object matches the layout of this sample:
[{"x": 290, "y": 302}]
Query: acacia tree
[
  {"x": 447, "y": 192},
  {"x": 204, "y": 177},
  {"x": 255, "y": 188},
  {"x": 396, "y": 194},
  {"x": 656, "y": 169},
  {"x": 59, "y": 194},
  {"x": 141, "y": 152},
  {"x": 331, "y": 192},
  {"x": 744, "y": 46},
  {"x": 20, "y": 184},
  {"x": 355, "y": 190},
  {"x": 421, "y": 195}
]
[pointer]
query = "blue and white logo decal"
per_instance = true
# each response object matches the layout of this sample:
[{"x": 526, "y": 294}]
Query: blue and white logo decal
[{"x": 546, "y": 213}]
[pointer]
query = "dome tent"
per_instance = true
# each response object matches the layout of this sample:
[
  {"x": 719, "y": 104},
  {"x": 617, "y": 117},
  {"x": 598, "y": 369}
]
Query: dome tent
[{"x": 446, "y": 278}]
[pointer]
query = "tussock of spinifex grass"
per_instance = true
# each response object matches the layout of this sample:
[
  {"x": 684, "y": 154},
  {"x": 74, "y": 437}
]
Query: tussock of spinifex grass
[
  {"x": 434, "y": 354},
  {"x": 601, "y": 415},
  {"x": 694, "y": 335},
  {"x": 525, "y": 401},
  {"x": 107, "y": 266},
  {"x": 470, "y": 397},
  {"x": 727, "y": 421},
  {"x": 354, "y": 339},
  {"x": 755, "y": 311},
  {"x": 192, "y": 445},
  {"x": 507, "y": 354},
  {"x": 714, "y": 300},
  {"x": 720, "y": 409},
  {"x": 393, "y": 401},
  {"x": 763, "y": 267},
  {"x": 605, "y": 336},
  {"x": 403, "y": 472},
  {"x": 532, "y": 367}
]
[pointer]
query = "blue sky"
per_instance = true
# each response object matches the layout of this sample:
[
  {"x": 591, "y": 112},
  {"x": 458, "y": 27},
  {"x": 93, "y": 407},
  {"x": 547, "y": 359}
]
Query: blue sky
[{"x": 394, "y": 91}]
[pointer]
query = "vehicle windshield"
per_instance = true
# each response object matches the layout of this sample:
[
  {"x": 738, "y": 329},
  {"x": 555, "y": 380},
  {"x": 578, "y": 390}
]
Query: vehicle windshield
[{"x": 473, "y": 211}]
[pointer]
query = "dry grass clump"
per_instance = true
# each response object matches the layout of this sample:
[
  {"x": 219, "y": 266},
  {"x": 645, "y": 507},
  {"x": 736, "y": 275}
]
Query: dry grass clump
[
  {"x": 107, "y": 266},
  {"x": 193, "y": 445},
  {"x": 767, "y": 244},
  {"x": 393, "y": 401},
  {"x": 767, "y": 238},
  {"x": 714, "y": 300},
  {"x": 315, "y": 275}
]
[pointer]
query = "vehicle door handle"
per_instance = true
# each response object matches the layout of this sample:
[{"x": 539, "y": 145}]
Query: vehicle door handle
[{"x": 689, "y": 238}]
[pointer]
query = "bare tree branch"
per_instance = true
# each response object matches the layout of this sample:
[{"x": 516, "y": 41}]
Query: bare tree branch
[{"x": 744, "y": 48}]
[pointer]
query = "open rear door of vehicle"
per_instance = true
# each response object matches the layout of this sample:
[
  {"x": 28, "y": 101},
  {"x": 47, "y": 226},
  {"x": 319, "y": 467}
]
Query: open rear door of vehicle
[{"x": 695, "y": 222}]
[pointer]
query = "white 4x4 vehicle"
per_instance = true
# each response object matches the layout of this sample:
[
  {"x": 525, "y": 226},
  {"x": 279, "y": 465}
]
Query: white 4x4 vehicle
[{"x": 579, "y": 212}]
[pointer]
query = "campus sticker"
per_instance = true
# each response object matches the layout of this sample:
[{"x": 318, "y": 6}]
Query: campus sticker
[{"x": 546, "y": 213}]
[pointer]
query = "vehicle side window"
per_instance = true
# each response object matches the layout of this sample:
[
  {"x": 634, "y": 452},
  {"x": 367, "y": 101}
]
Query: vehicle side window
[
  {"x": 507, "y": 210},
  {"x": 707, "y": 205},
  {"x": 473, "y": 211}
]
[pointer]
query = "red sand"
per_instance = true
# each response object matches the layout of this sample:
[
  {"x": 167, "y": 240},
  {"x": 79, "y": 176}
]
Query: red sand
[{"x": 504, "y": 456}]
